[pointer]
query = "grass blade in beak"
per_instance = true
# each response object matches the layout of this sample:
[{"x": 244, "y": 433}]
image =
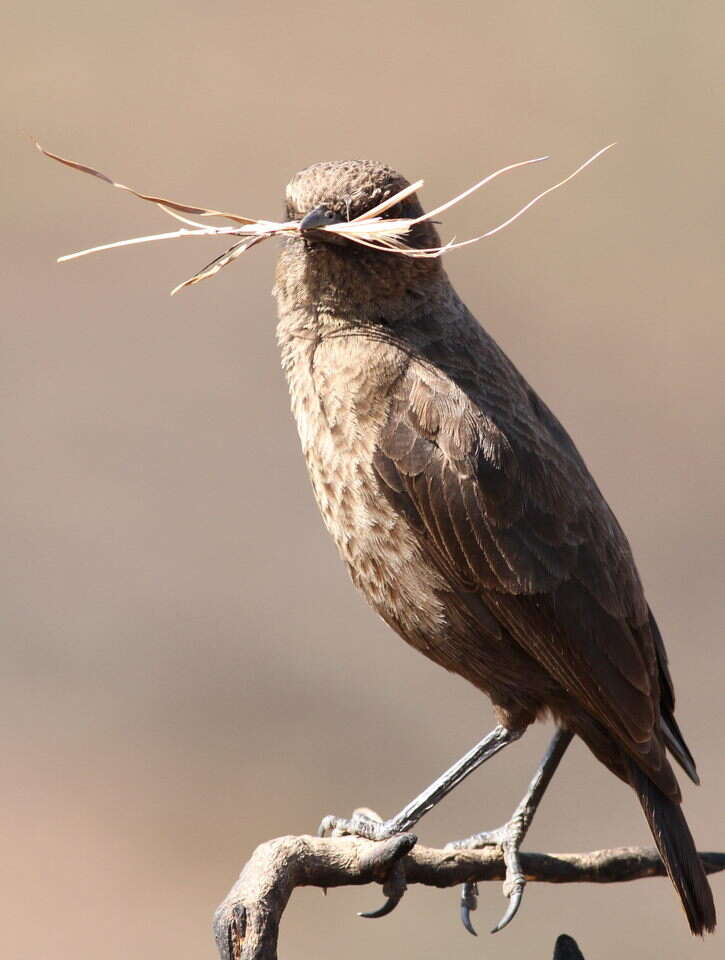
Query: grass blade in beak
[
  {"x": 159, "y": 201},
  {"x": 221, "y": 261},
  {"x": 174, "y": 235},
  {"x": 390, "y": 202}
]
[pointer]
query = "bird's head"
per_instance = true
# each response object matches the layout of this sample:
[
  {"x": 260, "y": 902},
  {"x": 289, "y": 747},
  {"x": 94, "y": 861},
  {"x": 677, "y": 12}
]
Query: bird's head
[
  {"x": 336, "y": 191},
  {"x": 333, "y": 267}
]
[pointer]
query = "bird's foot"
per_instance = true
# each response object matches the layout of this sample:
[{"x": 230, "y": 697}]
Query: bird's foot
[
  {"x": 367, "y": 824},
  {"x": 508, "y": 837},
  {"x": 363, "y": 823}
]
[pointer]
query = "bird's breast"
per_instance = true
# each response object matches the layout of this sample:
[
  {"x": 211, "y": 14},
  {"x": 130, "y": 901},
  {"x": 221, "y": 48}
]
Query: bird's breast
[{"x": 340, "y": 393}]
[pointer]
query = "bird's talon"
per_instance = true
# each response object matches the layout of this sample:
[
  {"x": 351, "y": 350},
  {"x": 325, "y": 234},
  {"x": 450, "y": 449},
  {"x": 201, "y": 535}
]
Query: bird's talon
[
  {"x": 488, "y": 838},
  {"x": 361, "y": 824},
  {"x": 332, "y": 826},
  {"x": 466, "y": 919},
  {"x": 508, "y": 837},
  {"x": 390, "y": 904},
  {"x": 512, "y": 909},
  {"x": 469, "y": 902},
  {"x": 393, "y": 888}
]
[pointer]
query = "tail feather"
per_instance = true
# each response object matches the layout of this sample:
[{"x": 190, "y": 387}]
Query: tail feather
[
  {"x": 677, "y": 747},
  {"x": 677, "y": 849}
]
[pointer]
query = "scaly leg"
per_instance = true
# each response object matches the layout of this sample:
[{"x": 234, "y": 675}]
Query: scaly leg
[
  {"x": 510, "y": 836},
  {"x": 360, "y": 825},
  {"x": 363, "y": 825}
]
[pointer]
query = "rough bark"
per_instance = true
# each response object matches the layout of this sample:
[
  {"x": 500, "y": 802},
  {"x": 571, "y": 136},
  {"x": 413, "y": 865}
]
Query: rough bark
[{"x": 246, "y": 924}]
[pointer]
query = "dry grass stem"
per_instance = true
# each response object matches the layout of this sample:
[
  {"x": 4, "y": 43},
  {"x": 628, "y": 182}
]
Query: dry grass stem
[{"x": 371, "y": 229}]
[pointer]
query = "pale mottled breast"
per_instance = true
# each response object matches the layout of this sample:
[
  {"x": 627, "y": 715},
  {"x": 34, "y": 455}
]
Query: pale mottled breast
[{"x": 340, "y": 390}]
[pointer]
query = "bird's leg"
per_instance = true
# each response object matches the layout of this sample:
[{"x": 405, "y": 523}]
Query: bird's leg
[
  {"x": 510, "y": 836},
  {"x": 361, "y": 825},
  {"x": 364, "y": 824}
]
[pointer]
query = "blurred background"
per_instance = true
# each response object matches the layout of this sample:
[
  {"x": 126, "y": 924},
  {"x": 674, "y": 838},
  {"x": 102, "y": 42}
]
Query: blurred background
[{"x": 186, "y": 670}]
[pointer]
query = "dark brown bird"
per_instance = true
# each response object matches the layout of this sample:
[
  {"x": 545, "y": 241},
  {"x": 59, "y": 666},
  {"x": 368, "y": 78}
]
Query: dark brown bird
[{"x": 467, "y": 517}]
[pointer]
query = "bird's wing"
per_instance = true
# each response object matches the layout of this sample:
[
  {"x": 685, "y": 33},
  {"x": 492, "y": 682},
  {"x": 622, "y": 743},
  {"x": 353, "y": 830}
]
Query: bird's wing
[{"x": 517, "y": 517}]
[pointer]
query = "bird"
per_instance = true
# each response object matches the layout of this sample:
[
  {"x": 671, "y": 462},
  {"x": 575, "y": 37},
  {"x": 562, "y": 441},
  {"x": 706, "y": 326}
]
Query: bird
[{"x": 468, "y": 519}]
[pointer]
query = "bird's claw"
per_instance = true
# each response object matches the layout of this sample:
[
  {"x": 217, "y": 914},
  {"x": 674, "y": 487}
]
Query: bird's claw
[
  {"x": 508, "y": 837},
  {"x": 363, "y": 823},
  {"x": 489, "y": 838},
  {"x": 514, "y": 903},
  {"x": 469, "y": 901},
  {"x": 331, "y": 826},
  {"x": 515, "y": 882},
  {"x": 367, "y": 824},
  {"x": 393, "y": 888},
  {"x": 390, "y": 904}
]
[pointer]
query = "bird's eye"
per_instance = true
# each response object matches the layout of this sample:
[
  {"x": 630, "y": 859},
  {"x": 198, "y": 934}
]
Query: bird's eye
[{"x": 329, "y": 215}]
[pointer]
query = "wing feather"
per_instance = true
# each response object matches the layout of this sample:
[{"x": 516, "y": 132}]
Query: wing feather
[{"x": 518, "y": 520}]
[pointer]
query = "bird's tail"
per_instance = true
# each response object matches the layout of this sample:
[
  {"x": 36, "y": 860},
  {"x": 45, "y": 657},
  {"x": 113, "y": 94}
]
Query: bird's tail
[{"x": 677, "y": 849}]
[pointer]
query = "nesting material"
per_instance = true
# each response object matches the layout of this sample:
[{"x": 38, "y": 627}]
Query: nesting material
[{"x": 371, "y": 229}]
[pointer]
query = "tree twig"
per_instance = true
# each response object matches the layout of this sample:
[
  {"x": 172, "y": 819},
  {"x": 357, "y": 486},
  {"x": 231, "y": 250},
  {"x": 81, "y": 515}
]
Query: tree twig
[{"x": 246, "y": 924}]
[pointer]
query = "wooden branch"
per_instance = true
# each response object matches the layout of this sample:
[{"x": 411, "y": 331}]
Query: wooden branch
[{"x": 246, "y": 924}]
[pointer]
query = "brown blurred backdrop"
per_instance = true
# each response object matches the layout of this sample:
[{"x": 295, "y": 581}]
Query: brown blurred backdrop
[{"x": 186, "y": 670}]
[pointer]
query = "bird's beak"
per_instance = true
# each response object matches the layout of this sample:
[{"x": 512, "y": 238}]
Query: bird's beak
[{"x": 319, "y": 217}]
